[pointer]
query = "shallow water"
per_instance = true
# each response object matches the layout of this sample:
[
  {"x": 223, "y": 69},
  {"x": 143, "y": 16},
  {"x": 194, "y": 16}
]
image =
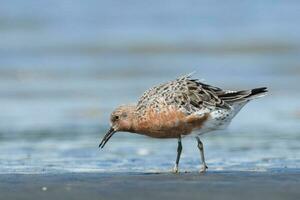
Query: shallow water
[{"x": 64, "y": 67}]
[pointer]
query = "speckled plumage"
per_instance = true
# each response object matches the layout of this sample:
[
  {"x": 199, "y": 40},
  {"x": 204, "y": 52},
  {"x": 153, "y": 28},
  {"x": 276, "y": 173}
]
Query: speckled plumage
[{"x": 188, "y": 95}]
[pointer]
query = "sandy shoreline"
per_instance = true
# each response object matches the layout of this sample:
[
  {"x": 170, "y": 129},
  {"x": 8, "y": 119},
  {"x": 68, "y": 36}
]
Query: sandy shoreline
[{"x": 213, "y": 185}]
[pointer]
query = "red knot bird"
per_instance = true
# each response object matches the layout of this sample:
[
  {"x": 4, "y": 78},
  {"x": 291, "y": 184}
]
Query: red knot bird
[{"x": 179, "y": 108}]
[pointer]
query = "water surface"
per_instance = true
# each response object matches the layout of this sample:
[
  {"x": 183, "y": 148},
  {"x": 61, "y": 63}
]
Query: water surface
[{"x": 65, "y": 65}]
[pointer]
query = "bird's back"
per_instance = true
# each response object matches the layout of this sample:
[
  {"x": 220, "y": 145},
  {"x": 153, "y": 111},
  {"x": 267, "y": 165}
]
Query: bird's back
[{"x": 186, "y": 94}]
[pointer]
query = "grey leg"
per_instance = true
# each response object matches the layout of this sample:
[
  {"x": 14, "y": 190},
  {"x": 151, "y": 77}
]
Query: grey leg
[
  {"x": 179, "y": 149},
  {"x": 201, "y": 148}
]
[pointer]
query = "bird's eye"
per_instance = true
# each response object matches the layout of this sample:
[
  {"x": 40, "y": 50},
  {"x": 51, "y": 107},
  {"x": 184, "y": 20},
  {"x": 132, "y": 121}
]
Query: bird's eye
[{"x": 116, "y": 118}]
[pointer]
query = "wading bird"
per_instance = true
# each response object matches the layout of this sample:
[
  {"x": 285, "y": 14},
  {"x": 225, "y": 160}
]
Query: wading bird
[{"x": 179, "y": 108}]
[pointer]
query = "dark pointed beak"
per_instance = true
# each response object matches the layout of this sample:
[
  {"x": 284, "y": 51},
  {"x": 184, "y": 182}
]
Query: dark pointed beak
[{"x": 107, "y": 136}]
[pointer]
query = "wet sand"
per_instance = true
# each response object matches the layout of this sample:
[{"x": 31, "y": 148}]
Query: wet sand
[{"x": 213, "y": 185}]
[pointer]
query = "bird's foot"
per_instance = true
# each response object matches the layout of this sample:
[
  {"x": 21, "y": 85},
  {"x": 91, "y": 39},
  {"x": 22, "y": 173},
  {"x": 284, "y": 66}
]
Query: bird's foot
[
  {"x": 203, "y": 169},
  {"x": 175, "y": 170}
]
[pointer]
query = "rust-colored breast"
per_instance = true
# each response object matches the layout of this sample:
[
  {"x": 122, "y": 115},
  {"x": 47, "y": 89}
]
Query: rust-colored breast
[{"x": 169, "y": 123}]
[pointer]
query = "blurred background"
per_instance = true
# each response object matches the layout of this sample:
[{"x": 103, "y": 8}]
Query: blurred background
[{"x": 65, "y": 65}]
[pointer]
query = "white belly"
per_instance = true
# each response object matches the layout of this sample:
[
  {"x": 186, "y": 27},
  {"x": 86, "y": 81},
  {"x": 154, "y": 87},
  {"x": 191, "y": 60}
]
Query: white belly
[{"x": 219, "y": 119}]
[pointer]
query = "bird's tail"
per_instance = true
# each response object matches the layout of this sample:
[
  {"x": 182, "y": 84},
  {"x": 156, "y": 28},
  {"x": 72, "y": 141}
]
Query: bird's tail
[{"x": 244, "y": 95}]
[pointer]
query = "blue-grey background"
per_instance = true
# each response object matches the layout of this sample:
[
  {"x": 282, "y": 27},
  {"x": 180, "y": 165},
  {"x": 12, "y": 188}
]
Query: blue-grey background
[{"x": 64, "y": 66}]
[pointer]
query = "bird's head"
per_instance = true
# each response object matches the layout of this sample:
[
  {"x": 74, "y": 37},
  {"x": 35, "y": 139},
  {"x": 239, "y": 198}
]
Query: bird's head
[{"x": 121, "y": 119}]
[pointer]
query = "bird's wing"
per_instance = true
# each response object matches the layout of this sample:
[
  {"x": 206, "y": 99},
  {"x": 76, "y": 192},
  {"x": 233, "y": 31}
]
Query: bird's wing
[{"x": 187, "y": 94}]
